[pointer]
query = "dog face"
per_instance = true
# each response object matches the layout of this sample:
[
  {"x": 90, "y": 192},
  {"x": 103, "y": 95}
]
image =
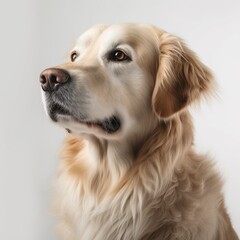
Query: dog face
[{"x": 122, "y": 79}]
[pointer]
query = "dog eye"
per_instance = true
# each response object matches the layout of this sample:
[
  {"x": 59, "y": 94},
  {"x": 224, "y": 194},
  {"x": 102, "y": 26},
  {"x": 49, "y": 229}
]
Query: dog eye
[
  {"x": 74, "y": 55},
  {"x": 118, "y": 56}
]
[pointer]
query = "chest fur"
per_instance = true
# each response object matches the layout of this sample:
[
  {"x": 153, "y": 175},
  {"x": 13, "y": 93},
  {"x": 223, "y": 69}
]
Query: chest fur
[{"x": 134, "y": 212}]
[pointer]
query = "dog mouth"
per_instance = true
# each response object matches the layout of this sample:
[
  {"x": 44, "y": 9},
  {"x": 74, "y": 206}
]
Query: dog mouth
[{"x": 108, "y": 125}]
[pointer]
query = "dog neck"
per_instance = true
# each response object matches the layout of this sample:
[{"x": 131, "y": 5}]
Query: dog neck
[{"x": 98, "y": 161}]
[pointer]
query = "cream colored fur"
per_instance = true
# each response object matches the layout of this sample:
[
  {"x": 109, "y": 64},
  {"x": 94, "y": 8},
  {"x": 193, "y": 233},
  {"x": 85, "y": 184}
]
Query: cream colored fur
[{"x": 145, "y": 181}]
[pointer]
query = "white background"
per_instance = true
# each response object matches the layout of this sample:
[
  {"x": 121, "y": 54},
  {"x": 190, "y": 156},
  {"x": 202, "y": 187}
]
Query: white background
[{"x": 37, "y": 34}]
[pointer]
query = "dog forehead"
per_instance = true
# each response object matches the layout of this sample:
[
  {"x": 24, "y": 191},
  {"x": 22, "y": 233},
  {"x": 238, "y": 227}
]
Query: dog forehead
[
  {"x": 131, "y": 34},
  {"x": 91, "y": 34},
  {"x": 114, "y": 34}
]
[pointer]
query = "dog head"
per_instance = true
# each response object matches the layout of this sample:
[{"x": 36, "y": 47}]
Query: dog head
[{"x": 123, "y": 78}]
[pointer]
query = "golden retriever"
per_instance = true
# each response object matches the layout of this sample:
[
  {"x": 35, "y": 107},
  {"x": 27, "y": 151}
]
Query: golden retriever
[{"x": 129, "y": 170}]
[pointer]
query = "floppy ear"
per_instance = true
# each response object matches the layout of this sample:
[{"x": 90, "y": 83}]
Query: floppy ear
[{"x": 181, "y": 78}]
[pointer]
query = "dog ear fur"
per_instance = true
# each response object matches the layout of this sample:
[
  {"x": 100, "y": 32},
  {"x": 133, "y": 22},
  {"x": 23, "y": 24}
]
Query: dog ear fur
[{"x": 181, "y": 78}]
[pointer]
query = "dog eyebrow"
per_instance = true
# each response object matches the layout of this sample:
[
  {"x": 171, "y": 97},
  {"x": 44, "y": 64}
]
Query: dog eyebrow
[{"x": 115, "y": 44}]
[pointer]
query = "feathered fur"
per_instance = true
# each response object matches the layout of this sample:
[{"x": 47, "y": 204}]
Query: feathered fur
[{"x": 149, "y": 184}]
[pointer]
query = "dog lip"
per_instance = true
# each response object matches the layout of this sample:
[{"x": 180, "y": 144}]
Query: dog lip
[
  {"x": 55, "y": 109},
  {"x": 108, "y": 125}
]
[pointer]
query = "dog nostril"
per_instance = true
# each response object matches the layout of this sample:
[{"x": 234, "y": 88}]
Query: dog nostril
[
  {"x": 43, "y": 79},
  {"x": 53, "y": 78}
]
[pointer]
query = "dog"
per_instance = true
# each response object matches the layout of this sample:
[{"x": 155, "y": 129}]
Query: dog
[{"x": 128, "y": 168}]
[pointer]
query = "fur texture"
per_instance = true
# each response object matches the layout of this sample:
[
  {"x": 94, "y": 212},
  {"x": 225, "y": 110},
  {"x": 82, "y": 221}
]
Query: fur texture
[{"x": 144, "y": 181}]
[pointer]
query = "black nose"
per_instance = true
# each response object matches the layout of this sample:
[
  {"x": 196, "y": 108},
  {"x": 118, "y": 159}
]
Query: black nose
[{"x": 53, "y": 78}]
